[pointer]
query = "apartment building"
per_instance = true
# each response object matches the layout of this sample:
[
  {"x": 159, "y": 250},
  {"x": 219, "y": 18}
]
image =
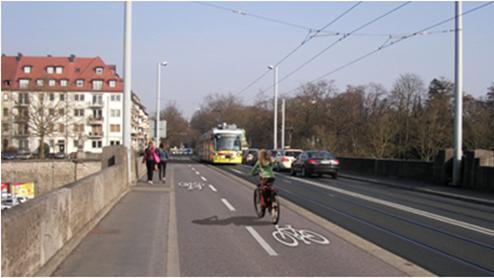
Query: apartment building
[
  {"x": 76, "y": 102},
  {"x": 140, "y": 124}
]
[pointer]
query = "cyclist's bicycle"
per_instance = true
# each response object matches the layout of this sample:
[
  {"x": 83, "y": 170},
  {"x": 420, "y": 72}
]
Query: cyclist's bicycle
[{"x": 266, "y": 197}]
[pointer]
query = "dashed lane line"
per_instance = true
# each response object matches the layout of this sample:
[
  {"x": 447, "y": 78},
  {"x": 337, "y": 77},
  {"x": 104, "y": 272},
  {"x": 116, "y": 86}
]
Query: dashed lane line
[
  {"x": 203, "y": 178},
  {"x": 261, "y": 241},
  {"x": 238, "y": 172},
  {"x": 213, "y": 188},
  {"x": 227, "y": 204}
]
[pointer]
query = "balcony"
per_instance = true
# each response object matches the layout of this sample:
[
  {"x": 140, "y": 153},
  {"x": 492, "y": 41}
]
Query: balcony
[
  {"x": 21, "y": 119},
  {"x": 95, "y": 104},
  {"x": 21, "y": 134},
  {"x": 95, "y": 120},
  {"x": 95, "y": 134}
]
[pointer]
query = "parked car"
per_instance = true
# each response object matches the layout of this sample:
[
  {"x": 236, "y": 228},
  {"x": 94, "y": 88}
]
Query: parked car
[
  {"x": 284, "y": 159},
  {"x": 250, "y": 157},
  {"x": 59, "y": 155},
  {"x": 8, "y": 156},
  {"x": 315, "y": 162},
  {"x": 23, "y": 154}
]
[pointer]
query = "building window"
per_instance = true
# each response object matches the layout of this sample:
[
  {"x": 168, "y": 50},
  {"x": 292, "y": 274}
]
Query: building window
[
  {"x": 59, "y": 70},
  {"x": 61, "y": 128},
  {"x": 76, "y": 143},
  {"x": 52, "y": 97},
  {"x": 79, "y": 97},
  {"x": 27, "y": 69},
  {"x": 98, "y": 99},
  {"x": 97, "y": 84},
  {"x": 62, "y": 97},
  {"x": 115, "y": 128},
  {"x": 5, "y": 112},
  {"x": 112, "y": 83},
  {"x": 63, "y": 83},
  {"x": 23, "y": 83},
  {"x": 49, "y": 69},
  {"x": 23, "y": 99},
  {"x": 97, "y": 144},
  {"x": 51, "y": 82},
  {"x": 5, "y": 127},
  {"x": 115, "y": 112},
  {"x": 5, "y": 97},
  {"x": 115, "y": 97},
  {"x": 61, "y": 111},
  {"x": 78, "y": 112},
  {"x": 51, "y": 111},
  {"x": 99, "y": 70},
  {"x": 79, "y": 83},
  {"x": 40, "y": 82}
]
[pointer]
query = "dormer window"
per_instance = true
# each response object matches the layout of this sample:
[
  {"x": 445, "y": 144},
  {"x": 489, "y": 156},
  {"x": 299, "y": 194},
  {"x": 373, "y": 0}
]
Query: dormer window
[
  {"x": 50, "y": 69},
  {"x": 97, "y": 84},
  {"x": 99, "y": 70},
  {"x": 23, "y": 83},
  {"x": 59, "y": 70},
  {"x": 79, "y": 83},
  {"x": 51, "y": 82},
  {"x": 40, "y": 82},
  {"x": 27, "y": 69},
  {"x": 112, "y": 83},
  {"x": 63, "y": 82}
]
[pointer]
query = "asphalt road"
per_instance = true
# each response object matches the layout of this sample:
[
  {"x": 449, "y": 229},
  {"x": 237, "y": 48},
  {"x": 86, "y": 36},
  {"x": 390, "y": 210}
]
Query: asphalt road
[
  {"x": 219, "y": 235},
  {"x": 445, "y": 236}
]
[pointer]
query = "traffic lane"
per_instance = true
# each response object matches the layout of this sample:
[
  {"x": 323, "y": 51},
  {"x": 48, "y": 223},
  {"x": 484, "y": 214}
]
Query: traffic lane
[
  {"x": 477, "y": 214},
  {"x": 124, "y": 243},
  {"x": 212, "y": 240},
  {"x": 418, "y": 241},
  {"x": 338, "y": 258}
]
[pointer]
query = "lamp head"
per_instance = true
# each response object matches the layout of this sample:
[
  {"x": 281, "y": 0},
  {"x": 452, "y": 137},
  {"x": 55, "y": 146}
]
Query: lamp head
[
  {"x": 163, "y": 64},
  {"x": 270, "y": 67}
]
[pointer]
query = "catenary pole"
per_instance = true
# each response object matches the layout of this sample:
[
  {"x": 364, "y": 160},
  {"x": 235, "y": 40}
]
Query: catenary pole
[
  {"x": 127, "y": 84},
  {"x": 283, "y": 123},
  {"x": 458, "y": 94}
]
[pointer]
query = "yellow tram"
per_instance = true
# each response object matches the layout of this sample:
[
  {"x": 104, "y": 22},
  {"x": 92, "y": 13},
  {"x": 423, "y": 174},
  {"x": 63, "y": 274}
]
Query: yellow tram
[{"x": 222, "y": 145}]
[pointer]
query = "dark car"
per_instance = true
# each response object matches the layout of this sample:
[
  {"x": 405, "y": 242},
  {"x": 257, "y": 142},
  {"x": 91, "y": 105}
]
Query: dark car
[
  {"x": 24, "y": 154},
  {"x": 8, "y": 156},
  {"x": 315, "y": 162}
]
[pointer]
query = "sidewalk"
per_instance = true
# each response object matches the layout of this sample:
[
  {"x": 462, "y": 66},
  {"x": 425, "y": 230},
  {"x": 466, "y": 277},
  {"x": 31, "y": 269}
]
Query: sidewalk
[
  {"x": 484, "y": 198},
  {"x": 131, "y": 240}
]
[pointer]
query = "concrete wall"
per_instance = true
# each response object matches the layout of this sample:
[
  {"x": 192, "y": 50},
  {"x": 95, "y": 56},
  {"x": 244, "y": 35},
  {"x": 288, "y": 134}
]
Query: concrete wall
[
  {"x": 48, "y": 175},
  {"x": 478, "y": 170},
  {"x": 409, "y": 169},
  {"x": 39, "y": 234}
]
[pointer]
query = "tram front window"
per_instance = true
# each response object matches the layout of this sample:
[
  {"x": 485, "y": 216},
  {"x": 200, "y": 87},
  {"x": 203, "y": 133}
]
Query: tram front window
[{"x": 227, "y": 142}]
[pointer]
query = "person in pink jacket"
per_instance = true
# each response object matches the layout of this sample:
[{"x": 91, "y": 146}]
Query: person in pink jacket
[{"x": 151, "y": 158}]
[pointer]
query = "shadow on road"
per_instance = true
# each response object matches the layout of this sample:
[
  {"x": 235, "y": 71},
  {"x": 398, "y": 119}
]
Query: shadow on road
[{"x": 237, "y": 220}]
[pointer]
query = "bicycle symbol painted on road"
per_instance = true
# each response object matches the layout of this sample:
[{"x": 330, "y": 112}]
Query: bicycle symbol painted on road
[
  {"x": 191, "y": 185},
  {"x": 289, "y": 236}
]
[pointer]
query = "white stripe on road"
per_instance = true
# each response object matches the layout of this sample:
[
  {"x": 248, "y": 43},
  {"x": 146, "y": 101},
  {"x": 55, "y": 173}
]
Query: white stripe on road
[
  {"x": 203, "y": 178},
  {"x": 238, "y": 172},
  {"x": 227, "y": 204},
  {"x": 197, "y": 173},
  {"x": 213, "y": 188},
  {"x": 408, "y": 209},
  {"x": 261, "y": 241}
]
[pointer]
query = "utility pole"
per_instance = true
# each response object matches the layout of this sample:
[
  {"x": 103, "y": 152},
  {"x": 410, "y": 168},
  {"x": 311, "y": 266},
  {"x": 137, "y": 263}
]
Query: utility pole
[
  {"x": 458, "y": 94},
  {"x": 127, "y": 84},
  {"x": 282, "y": 123},
  {"x": 275, "y": 124},
  {"x": 158, "y": 101}
]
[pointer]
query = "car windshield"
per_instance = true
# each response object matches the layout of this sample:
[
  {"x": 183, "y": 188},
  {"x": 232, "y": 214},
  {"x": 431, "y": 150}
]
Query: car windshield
[
  {"x": 292, "y": 153},
  {"x": 228, "y": 142},
  {"x": 320, "y": 155}
]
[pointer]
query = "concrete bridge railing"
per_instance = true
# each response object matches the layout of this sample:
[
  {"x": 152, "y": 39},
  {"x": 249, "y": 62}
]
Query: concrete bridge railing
[{"x": 39, "y": 234}]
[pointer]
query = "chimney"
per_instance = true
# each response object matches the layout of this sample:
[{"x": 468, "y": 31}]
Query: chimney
[
  {"x": 19, "y": 56},
  {"x": 72, "y": 58},
  {"x": 3, "y": 55},
  {"x": 49, "y": 55}
]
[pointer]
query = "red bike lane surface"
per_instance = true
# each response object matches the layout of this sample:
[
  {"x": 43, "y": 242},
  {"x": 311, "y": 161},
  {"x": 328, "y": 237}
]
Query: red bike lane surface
[{"x": 216, "y": 240}]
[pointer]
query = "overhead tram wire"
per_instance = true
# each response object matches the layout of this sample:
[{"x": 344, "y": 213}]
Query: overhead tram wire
[
  {"x": 341, "y": 39},
  {"x": 389, "y": 44},
  {"x": 308, "y": 38}
]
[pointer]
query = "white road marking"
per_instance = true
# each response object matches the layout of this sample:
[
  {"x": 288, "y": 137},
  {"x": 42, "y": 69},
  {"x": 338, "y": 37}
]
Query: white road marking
[
  {"x": 197, "y": 173},
  {"x": 408, "y": 209},
  {"x": 213, "y": 188},
  {"x": 203, "y": 178},
  {"x": 227, "y": 204},
  {"x": 245, "y": 166},
  {"x": 261, "y": 241},
  {"x": 238, "y": 172}
]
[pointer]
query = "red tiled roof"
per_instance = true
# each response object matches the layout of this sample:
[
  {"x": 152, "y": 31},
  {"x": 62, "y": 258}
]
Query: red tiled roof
[{"x": 78, "y": 68}]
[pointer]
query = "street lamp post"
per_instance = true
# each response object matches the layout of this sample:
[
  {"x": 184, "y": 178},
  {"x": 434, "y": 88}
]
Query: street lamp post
[
  {"x": 282, "y": 123},
  {"x": 458, "y": 95},
  {"x": 275, "y": 124},
  {"x": 160, "y": 64}
]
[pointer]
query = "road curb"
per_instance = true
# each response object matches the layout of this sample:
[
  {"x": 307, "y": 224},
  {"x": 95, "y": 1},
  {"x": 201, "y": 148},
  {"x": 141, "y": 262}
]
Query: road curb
[
  {"x": 422, "y": 190},
  {"x": 387, "y": 257}
]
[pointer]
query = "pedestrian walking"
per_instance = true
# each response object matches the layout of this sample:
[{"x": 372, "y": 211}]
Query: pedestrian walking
[
  {"x": 163, "y": 160},
  {"x": 151, "y": 158}
]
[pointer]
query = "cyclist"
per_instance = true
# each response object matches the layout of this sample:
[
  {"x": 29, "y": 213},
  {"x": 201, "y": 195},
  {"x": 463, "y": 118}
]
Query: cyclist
[{"x": 264, "y": 166}]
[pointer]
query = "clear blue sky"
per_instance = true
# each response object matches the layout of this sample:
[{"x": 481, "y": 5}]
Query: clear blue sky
[{"x": 211, "y": 51}]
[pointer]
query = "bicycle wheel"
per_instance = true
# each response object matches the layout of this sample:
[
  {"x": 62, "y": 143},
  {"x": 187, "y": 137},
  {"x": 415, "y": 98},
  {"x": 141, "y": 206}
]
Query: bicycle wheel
[
  {"x": 275, "y": 209},
  {"x": 260, "y": 210},
  {"x": 314, "y": 237},
  {"x": 285, "y": 238}
]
